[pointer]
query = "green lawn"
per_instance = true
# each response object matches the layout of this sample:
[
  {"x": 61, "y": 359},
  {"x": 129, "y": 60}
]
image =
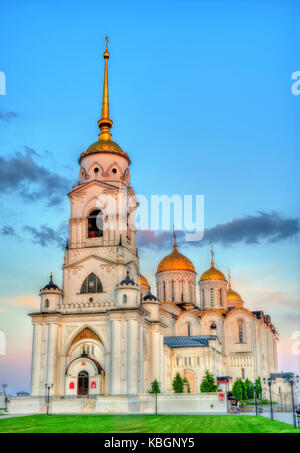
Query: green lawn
[{"x": 143, "y": 424}]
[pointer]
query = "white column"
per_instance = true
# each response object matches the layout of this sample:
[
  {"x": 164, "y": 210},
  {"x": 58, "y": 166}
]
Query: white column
[
  {"x": 141, "y": 358},
  {"x": 52, "y": 356},
  {"x": 115, "y": 369},
  {"x": 35, "y": 360},
  {"x": 132, "y": 357},
  {"x": 155, "y": 354}
]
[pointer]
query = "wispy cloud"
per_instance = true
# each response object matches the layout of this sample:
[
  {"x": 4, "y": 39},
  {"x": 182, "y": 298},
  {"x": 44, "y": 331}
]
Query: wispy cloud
[
  {"x": 47, "y": 236},
  {"x": 8, "y": 116},
  {"x": 22, "y": 174},
  {"x": 7, "y": 230},
  {"x": 250, "y": 229}
]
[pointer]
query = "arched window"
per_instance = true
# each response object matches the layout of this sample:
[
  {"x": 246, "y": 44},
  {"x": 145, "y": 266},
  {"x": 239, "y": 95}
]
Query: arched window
[
  {"x": 95, "y": 224},
  {"x": 181, "y": 290},
  {"x": 163, "y": 291},
  {"x": 212, "y": 302},
  {"x": 124, "y": 299},
  {"x": 241, "y": 331},
  {"x": 47, "y": 303},
  {"x": 243, "y": 373},
  {"x": 189, "y": 329},
  {"x": 91, "y": 284},
  {"x": 221, "y": 298},
  {"x": 173, "y": 291},
  {"x": 203, "y": 301}
]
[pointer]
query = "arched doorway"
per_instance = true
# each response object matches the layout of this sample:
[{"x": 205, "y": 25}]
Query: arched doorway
[
  {"x": 83, "y": 383},
  {"x": 190, "y": 376}
]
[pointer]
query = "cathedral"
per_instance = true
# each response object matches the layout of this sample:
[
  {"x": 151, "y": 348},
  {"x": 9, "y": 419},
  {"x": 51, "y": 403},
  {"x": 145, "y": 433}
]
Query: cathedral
[{"x": 105, "y": 333}]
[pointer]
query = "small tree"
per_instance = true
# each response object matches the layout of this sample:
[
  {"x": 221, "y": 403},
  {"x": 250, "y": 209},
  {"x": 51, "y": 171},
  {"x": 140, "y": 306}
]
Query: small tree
[
  {"x": 258, "y": 388},
  {"x": 249, "y": 389},
  {"x": 238, "y": 389},
  {"x": 155, "y": 387},
  {"x": 177, "y": 383},
  {"x": 208, "y": 383}
]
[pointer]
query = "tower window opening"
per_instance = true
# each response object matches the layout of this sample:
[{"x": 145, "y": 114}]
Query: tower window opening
[
  {"x": 91, "y": 284},
  {"x": 243, "y": 373},
  {"x": 95, "y": 224},
  {"x": 173, "y": 291},
  {"x": 221, "y": 299},
  {"x": 212, "y": 302},
  {"x": 181, "y": 290},
  {"x": 203, "y": 301},
  {"x": 124, "y": 299},
  {"x": 47, "y": 303}
]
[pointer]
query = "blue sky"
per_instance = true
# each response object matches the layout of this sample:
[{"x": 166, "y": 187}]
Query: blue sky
[{"x": 200, "y": 96}]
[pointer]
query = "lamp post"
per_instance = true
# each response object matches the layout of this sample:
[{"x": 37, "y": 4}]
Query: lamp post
[
  {"x": 291, "y": 379},
  {"x": 48, "y": 387},
  {"x": 254, "y": 387},
  {"x": 5, "y": 399},
  {"x": 269, "y": 382}
]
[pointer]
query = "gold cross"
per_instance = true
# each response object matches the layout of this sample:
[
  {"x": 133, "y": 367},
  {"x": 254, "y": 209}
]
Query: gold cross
[{"x": 106, "y": 38}]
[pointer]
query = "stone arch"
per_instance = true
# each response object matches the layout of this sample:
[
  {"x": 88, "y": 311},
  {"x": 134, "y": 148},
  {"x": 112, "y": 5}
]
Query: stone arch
[
  {"x": 111, "y": 166},
  {"x": 94, "y": 165},
  {"x": 185, "y": 319},
  {"x": 191, "y": 377},
  {"x": 87, "y": 332}
]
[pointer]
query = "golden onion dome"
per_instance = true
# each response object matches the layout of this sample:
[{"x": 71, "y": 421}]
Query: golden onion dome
[
  {"x": 143, "y": 281},
  {"x": 175, "y": 261},
  {"x": 212, "y": 273},
  {"x": 104, "y": 146},
  {"x": 233, "y": 296}
]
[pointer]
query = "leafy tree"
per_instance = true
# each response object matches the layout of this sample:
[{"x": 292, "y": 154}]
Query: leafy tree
[
  {"x": 249, "y": 389},
  {"x": 208, "y": 383},
  {"x": 258, "y": 388},
  {"x": 185, "y": 381},
  {"x": 238, "y": 389},
  {"x": 154, "y": 387},
  {"x": 177, "y": 383}
]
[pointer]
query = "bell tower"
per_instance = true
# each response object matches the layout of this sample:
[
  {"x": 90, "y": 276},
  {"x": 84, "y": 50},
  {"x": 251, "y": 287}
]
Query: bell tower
[{"x": 102, "y": 220}]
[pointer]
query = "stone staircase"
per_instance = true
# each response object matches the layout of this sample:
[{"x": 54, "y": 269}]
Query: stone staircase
[{"x": 88, "y": 406}]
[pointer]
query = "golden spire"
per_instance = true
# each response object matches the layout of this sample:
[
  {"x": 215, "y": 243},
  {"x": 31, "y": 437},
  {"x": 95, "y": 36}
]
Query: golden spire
[
  {"x": 105, "y": 123},
  {"x": 174, "y": 236},
  {"x": 229, "y": 279},
  {"x": 212, "y": 255}
]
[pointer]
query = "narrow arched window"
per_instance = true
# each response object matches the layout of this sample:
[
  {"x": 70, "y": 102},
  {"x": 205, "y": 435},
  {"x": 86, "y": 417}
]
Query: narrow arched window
[
  {"x": 163, "y": 291},
  {"x": 173, "y": 291},
  {"x": 91, "y": 284},
  {"x": 124, "y": 299},
  {"x": 95, "y": 224},
  {"x": 189, "y": 329},
  {"x": 47, "y": 303},
  {"x": 241, "y": 338},
  {"x": 212, "y": 302},
  {"x": 203, "y": 301},
  {"x": 221, "y": 299}
]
